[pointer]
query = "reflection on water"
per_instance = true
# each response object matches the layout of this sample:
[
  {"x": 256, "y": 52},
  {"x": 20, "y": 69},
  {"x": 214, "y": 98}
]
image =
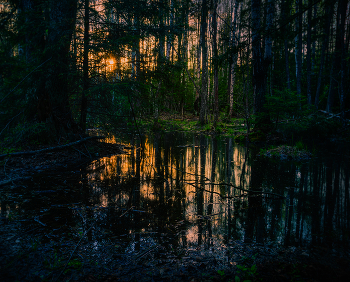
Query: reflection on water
[
  {"x": 209, "y": 191},
  {"x": 187, "y": 192}
]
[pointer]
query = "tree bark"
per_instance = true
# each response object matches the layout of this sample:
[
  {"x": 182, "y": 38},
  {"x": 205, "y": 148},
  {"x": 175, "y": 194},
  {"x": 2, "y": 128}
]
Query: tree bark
[
  {"x": 286, "y": 51},
  {"x": 204, "y": 88},
  {"x": 215, "y": 61},
  {"x": 336, "y": 84},
  {"x": 234, "y": 57},
  {"x": 270, "y": 13},
  {"x": 309, "y": 52},
  {"x": 298, "y": 49},
  {"x": 258, "y": 75},
  {"x": 53, "y": 102},
  {"x": 326, "y": 30},
  {"x": 170, "y": 35},
  {"x": 259, "y": 70},
  {"x": 83, "y": 111}
]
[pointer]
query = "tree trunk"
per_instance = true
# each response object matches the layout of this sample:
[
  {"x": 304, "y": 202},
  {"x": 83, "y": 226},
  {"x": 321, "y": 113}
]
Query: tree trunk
[
  {"x": 326, "y": 31},
  {"x": 84, "y": 102},
  {"x": 309, "y": 52},
  {"x": 234, "y": 57},
  {"x": 344, "y": 62},
  {"x": 270, "y": 12},
  {"x": 298, "y": 49},
  {"x": 170, "y": 36},
  {"x": 215, "y": 60},
  {"x": 259, "y": 70},
  {"x": 257, "y": 57},
  {"x": 55, "y": 81},
  {"x": 335, "y": 85},
  {"x": 204, "y": 88},
  {"x": 286, "y": 51}
]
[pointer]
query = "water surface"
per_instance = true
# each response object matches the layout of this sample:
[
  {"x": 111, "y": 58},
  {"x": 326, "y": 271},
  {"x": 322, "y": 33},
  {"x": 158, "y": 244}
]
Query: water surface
[{"x": 180, "y": 193}]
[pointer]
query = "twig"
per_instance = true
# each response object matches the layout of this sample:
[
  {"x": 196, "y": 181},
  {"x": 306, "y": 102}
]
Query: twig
[{"x": 232, "y": 197}]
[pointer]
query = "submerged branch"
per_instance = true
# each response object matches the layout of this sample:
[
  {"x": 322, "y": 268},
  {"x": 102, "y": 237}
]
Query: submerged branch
[
  {"x": 233, "y": 197},
  {"x": 208, "y": 182}
]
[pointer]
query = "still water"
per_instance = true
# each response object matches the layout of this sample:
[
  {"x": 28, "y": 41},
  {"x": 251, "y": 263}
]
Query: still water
[{"x": 182, "y": 192}]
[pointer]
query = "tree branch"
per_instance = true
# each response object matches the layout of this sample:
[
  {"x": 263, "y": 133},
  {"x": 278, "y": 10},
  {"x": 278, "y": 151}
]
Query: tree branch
[{"x": 28, "y": 153}]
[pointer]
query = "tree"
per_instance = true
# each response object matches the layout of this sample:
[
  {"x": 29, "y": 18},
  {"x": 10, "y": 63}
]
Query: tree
[
  {"x": 234, "y": 38},
  {"x": 309, "y": 53},
  {"x": 203, "y": 42},
  {"x": 83, "y": 111},
  {"x": 298, "y": 47},
  {"x": 336, "y": 84},
  {"x": 326, "y": 32},
  {"x": 214, "y": 5},
  {"x": 259, "y": 68}
]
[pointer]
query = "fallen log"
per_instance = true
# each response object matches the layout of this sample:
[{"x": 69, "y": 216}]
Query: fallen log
[
  {"x": 50, "y": 149},
  {"x": 10, "y": 181}
]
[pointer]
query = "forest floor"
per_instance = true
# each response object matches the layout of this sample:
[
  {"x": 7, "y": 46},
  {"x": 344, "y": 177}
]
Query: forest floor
[
  {"x": 40, "y": 259},
  {"x": 190, "y": 122}
]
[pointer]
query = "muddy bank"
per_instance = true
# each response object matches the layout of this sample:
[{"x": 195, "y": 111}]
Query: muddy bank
[
  {"x": 28, "y": 255},
  {"x": 22, "y": 167}
]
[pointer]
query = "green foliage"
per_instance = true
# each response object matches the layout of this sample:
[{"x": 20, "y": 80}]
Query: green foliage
[
  {"x": 284, "y": 104},
  {"x": 75, "y": 263},
  {"x": 221, "y": 273},
  {"x": 246, "y": 274}
]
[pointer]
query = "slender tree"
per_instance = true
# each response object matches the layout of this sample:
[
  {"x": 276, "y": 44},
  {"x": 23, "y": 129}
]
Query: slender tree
[
  {"x": 260, "y": 66},
  {"x": 336, "y": 85},
  {"x": 234, "y": 38},
  {"x": 326, "y": 33},
  {"x": 298, "y": 47},
  {"x": 309, "y": 53},
  {"x": 214, "y": 5},
  {"x": 83, "y": 111},
  {"x": 204, "y": 48},
  {"x": 285, "y": 41}
]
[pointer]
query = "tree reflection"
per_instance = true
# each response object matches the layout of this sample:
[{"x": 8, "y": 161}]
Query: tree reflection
[{"x": 179, "y": 181}]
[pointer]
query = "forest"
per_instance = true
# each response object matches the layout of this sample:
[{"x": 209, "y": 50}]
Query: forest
[
  {"x": 174, "y": 140},
  {"x": 70, "y": 65}
]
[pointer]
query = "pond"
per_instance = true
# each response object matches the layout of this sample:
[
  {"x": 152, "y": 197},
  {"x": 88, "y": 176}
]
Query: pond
[{"x": 180, "y": 196}]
